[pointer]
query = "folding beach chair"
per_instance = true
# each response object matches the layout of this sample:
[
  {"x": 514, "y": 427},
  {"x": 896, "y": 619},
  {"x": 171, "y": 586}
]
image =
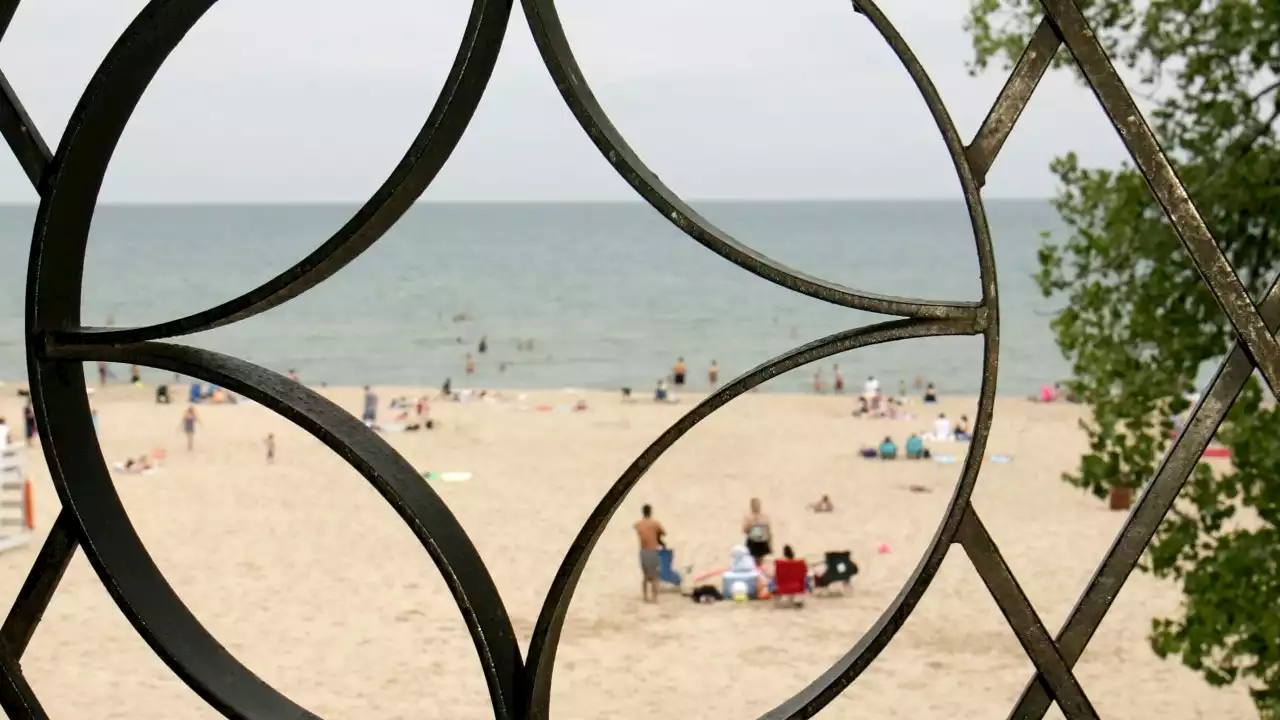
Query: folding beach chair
[
  {"x": 790, "y": 581},
  {"x": 838, "y": 569}
]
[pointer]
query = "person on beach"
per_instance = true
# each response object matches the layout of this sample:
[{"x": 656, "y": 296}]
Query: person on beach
[
  {"x": 370, "y": 414},
  {"x": 102, "y": 373},
  {"x": 871, "y": 388},
  {"x": 713, "y": 374},
  {"x": 916, "y": 449},
  {"x": 824, "y": 505},
  {"x": 942, "y": 428},
  {"x": 271, "y": 447},
  {"x": 888, "y": 449},
  {"x": 818, "y": 384},
  {"x": 135, "y": 375},
  {"x": 678, "y": 372},
  {"x": 471, "y": 364},
  {"x": 759, "y": 533},
  {"x": 293, "y": 375},
  {"x": 837, "y": 382},
  {"x": 930, "y": 393},
  {"x": 189, "y": 427},
  {"x": 660, "y": 392},
  {"x": 1048, "y": 393},
  {"x": 29, "y": 422},
  {"x": 863, "y": 408},
  {"x": 4, "y": 434},
  {"x": 962, "y": 429},
  {"x": 649, "y": 532}
]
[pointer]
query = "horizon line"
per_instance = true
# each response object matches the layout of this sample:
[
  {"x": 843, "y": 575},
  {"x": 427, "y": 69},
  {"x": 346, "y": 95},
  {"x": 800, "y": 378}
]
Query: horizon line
[{"x": 567, "y": 201}]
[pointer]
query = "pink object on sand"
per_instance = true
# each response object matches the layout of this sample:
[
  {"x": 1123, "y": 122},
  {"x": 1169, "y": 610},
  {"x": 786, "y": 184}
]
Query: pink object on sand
[
  {"x": 708, "y": 574},
  {"x": 883, "y": 549}
]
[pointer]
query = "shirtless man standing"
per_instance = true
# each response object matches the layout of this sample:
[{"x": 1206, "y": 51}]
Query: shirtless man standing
[{"x": 650, "y": 533}]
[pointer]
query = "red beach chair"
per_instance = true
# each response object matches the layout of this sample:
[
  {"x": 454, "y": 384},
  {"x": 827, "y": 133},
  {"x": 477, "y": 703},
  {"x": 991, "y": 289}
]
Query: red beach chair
[{"x": 790, "y": 580}]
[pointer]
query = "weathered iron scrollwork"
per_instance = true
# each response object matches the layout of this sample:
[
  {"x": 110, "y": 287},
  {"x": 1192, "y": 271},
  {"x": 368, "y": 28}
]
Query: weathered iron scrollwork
[{"x": 94, "y": 520}]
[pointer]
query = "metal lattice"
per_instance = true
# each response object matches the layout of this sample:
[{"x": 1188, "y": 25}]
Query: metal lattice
[{"x": 94, "y": 520}]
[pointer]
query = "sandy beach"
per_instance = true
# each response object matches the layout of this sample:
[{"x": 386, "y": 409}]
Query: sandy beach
[{"x": 307, "y": 576}]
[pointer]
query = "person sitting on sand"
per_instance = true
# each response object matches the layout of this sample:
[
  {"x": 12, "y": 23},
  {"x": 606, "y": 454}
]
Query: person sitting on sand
[
  {"x": 930, "y": 393},
  {"x": 1048, "y": 393},
  {"x": 660, "y": 392},
  {"x": 862, "y": 408},
  {"x": 888, "y": 450},
  {"x": 914, "y": 447},
  {"x": 823, "y": 505},
  {"x": 942, "y": 428},
  {"x": 962, "y": 429}
]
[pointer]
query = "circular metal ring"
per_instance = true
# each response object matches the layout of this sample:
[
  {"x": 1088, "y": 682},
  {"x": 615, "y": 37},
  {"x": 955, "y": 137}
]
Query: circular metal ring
[
  {"x": 69, "y": 196},
  {"x": 95, "y": 128}
]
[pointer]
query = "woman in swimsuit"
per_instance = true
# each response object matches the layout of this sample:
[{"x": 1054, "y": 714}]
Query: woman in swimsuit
[{"x": 759, "y": 533}]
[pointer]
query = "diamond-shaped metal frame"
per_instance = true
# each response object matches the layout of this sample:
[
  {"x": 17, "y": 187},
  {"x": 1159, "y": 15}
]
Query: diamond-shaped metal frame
[{"x": 94, "y": 519}]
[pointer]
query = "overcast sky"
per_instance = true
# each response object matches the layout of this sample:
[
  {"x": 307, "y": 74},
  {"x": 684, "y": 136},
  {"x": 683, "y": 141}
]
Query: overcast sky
[{"x": 315, "y": 100}]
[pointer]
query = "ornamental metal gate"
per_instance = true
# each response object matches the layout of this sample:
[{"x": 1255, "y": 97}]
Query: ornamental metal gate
[{"x": 94, "y": 521}]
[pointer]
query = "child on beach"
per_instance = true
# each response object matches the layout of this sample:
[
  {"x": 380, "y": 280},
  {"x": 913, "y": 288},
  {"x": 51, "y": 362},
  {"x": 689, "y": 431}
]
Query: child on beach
[
  {"x": 189, "y": 427},
  {"x": 271, "y": 447}
]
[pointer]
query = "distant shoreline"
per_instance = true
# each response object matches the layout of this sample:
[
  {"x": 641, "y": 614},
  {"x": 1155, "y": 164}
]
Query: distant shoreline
[{"x": 513, "y": 202}]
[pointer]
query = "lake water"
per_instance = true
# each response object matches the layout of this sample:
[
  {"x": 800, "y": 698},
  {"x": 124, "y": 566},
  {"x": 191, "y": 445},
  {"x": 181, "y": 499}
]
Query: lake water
[{"x": 610, "y": 294}]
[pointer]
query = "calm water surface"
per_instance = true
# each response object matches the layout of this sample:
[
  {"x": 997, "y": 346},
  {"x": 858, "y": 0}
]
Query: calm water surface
[{"x": 610, "y": 294}]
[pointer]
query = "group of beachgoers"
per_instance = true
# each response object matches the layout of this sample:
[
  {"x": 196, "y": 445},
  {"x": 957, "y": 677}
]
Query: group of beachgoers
[
  {"x": 482, "y": 348},
  {"x": 664, "y": 390},
  {"x": 756, "y": 547},
  {"x": 411, "y": 414}
]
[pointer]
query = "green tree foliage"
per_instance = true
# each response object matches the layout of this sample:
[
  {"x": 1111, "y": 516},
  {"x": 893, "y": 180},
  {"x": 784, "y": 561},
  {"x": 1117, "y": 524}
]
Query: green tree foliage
[{"x": 1138, "y": 324}]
